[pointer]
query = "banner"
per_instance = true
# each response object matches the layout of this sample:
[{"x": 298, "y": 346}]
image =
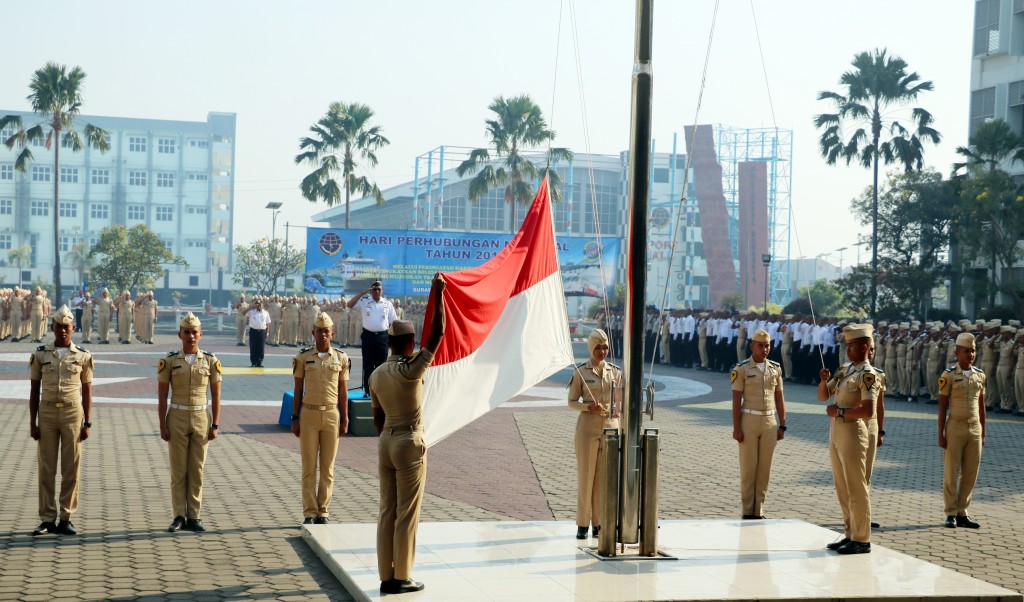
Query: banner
[{"x": 345, "y": 262}]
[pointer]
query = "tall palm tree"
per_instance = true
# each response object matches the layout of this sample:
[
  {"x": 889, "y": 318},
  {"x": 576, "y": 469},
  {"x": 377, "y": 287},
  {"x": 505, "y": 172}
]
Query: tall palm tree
[
  {"x": 339, "y": 138},
  {"x": 877, "y": 85},
  {"x": 518, "y": 126},
  {"x": 992, "y": 143},
  {"x": 20, "y": 256},
  {"x": 80, "y": 260},
  {"x": 57, "y": 97}
]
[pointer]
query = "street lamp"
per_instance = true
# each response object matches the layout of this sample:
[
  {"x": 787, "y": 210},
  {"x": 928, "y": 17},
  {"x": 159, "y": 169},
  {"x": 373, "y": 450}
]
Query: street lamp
[
  {"x": 766, "y": 259},
  {"x": 274, "y": 206},
  {"x": 840, "y": 251}
]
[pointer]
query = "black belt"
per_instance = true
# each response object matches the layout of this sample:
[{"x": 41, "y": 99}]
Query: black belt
[{"x": 377, "y": 332}]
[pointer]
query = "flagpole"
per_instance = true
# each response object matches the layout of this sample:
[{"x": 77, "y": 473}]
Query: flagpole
[{"x": 636, "y": 280}]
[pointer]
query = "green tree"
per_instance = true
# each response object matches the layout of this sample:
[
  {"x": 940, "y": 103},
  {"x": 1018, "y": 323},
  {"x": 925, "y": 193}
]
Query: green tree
[
  {"x": 56, "y": 96},
  {"x": 339, "y": 138},
  {"x": 127, "y": 258},
  {"x": 992, "y": 143},
  {"x": 826, "y": 299},
  {"x": 732, "y": 302},
  {"x": 878, "y": 85},
  {"x": 21, "y": 257},
  {"x": 517, "y": 127},
  {"x": 264, "y": 262},
  {"x": 80, "y": 260}
]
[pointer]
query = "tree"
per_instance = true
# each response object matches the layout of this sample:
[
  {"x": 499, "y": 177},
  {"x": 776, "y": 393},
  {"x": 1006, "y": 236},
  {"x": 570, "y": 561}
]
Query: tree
[
  {"x": 20, "y": 256},
  {"x": 129, "y": 258},
  {"x": 80, "y": 259},
  {"x": 825, "y": 298},
  {"x": 264, "y": 262},
  {"x": 992, "y": 143},
  {"x": 878, "y": 85},
  {"x": 518, "y": 126},
  {"x": 339, "y": 138},
  {"x": 57, "y": 96},
  {"x": 732, "y": 302}
]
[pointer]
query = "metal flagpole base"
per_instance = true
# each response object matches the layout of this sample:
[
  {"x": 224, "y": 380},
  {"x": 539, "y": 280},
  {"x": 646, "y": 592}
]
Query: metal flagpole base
[{"x": 632, "y": 552}]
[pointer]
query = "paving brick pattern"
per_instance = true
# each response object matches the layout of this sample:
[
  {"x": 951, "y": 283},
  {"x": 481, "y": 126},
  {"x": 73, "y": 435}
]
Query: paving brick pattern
[{"x": 516, "y": 464}]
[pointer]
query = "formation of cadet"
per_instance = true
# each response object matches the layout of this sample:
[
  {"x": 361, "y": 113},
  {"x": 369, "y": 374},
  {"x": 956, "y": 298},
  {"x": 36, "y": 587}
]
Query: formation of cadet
[
  {"x": 321, "y": 375},
  {"x": 396, "y": 391},
  {"x": 184, "y": 422},
  {"x": 592, "y": 391},
  {"x": 24, "y": 314}
]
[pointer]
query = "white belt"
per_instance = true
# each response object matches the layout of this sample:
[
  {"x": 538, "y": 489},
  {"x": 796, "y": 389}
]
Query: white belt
[
  {"x": 758, "y": 412},
  {"x": 201, "y": 408}
]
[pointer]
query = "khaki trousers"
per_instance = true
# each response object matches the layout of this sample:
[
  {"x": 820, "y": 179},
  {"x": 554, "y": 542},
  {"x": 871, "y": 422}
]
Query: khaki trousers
[
  {"x": 787, "y": 360},
  {"x": 293, "y": 329},
  {"x": 848, "y": 447},
  {"x": 932, "y": 378},
  {"x": 124, "y": 325},
  {"x": 702, "y": 349},
  {"x": 103, "y": 327},
  {"x": 962, "y": 457},
  {"x": 318, "y": 440},
  {"x": 147, "y": 326},
  {"x": 86, "y": 323},
  {"x": 402, "y": 468},
  {"x": 187, "y": 453},
  {"x": 1005, "y": 376},
  {"x": 272, "y": 332},
  {"x": 588, "y": 455},
  {"x": 38, "y": 324},
  {"x": 913, "y": 378},
  {"x": 991, "y": 385},
  {"x": 1018, "y": 381},
  {"x": 59, "y": 432},
  {"x": 760, "y": 435},
  {"x": 241, "y": 328},
  {"x": 869, "y": 461}
]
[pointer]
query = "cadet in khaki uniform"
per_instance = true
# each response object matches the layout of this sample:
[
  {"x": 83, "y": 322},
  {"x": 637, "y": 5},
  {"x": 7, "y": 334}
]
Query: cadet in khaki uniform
[
  {"x": 150, "y": 310},
  {"x": 962, "y": 434},
  {"x": 855, "y": 397},
  {"x": 185, "y": 424},
  {"x": 396, "y": 388},
  {"x": 104, "y": 309},
  {"x": 39, "y": 309},
  {"x": 318, "y": 417},
  {"x": 1004, "y": 369},
  {"x": 87, "y": 308},
  {"x": 60, "y": 403},
  {"x": 757, "y": 399},
  {"x": 590, "y": 394},
  {"x": 125, "y": 312},
  {"x": 241, "y": 322},
  {"x": 1018, "y": 372}
]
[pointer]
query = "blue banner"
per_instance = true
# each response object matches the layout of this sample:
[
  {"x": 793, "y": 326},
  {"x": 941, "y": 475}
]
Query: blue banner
[{"x": 345, "y": 262}]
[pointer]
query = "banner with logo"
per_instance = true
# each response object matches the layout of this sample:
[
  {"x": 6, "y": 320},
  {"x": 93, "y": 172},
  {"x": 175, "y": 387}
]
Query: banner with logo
[{"x": 345, "y": 262}]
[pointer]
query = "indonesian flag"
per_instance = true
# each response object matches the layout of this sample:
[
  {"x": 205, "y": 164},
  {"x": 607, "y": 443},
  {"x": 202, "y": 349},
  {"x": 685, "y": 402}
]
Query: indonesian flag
[{"x": 506, "y": 328}]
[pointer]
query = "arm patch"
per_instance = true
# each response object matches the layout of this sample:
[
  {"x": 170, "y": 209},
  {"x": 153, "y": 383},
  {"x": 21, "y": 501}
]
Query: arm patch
[
  {"x": 869, "y": 379},
  {"x": 732, "y": 376}
]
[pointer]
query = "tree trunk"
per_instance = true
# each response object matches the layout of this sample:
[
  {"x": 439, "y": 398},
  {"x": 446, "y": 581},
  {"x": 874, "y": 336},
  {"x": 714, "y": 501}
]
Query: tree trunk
[
  {"x": 874, "y": 236},
  {"x": 56, "y": 217}
]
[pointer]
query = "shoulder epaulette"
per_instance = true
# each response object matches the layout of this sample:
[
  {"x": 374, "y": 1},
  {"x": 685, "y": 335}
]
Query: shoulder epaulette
[
  {"x": 613, "y": 366},
  {"x": 172, "y": 353},
  {"x": 82, "y": 349},
  {"x": 304, "y": 349},
  {"x": 41, "y": 348},
  {"x": 951, "y": 368},
  {"x": 880, "y": 371},
  {"x": 743, "y": 362},
  {"x": 773, "y": 363},
  {"x": 206, "y": 353},
  {"x": 977, "y": 369},
  {"x": 581, "y": 364}
]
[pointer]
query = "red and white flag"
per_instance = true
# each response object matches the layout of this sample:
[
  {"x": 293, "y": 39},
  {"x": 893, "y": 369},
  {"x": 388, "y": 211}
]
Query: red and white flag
[{"x": 506, "y": 330}]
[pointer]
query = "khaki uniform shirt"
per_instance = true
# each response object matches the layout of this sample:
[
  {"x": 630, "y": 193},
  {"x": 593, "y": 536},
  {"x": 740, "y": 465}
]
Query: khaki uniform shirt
[
  {"x": 1006, "y": 353},
  {"x": 593, "y": 384},
  {"x": 241, "y": 310},
  {"x": 103, "y": 306},
  {"x": 320, "y": 375},
  {"x": 963, "y": 389},
  {"x": 856, "y": 383},
  {"x": 1020, "y": 361},
  {"x": 61, "y": 378},
  {"x": 189, "y": 382},
  {"x": 758, "y": 387},
  {"x": 396, "y": 387}
]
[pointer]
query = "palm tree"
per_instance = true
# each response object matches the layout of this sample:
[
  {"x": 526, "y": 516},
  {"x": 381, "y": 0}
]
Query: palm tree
[
  {"x": 56, "y": 96},
  {"x": 20, "y": 256},
  {"x": 339, "y": 137},
  {"x": 878, "y": 84},
  {"x": 80, "y": 259},
  {"x": 992, "y": 143},
  {"x": 518, "y": 126}
]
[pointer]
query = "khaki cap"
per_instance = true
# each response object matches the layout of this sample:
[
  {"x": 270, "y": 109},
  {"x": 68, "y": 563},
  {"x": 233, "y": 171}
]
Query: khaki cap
[
  {"x": 858, "y": 331},
  {"x": 63, "y": 316},
  {"x": 1014, "y": 323},
  {"x": 1007, "y": 328},
  {"x": 965, "y": 339},
  {"x": 761, "y": 336},
  {"x": 323, "y": 321},
  {"x": 190, "y": 321},
  {"x": 400, "y": 327}
]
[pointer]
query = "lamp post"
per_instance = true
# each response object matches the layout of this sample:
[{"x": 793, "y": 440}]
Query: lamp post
[
  {"x": 766, "y": 259},
  {"x": 275, "y": 207},
  {"x": 840, "y": 251}
]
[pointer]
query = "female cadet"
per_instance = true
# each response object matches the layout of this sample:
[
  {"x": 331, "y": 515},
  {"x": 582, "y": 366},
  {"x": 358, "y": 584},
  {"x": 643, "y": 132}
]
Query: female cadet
[{"x": 592, "y": 382}]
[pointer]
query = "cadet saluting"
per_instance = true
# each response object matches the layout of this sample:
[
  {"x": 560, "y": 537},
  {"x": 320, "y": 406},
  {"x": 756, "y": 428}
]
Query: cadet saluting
[
  {"x": 962, "y": 435},
  {"x": 60, "y": 397},
  {"x": 756, "y": 401},
  {"x": 396, "y": 388},
  {"x": 186, "y": 426},
  {"x": 856, "y": 394},
  {"x": 318, "y": 417}
]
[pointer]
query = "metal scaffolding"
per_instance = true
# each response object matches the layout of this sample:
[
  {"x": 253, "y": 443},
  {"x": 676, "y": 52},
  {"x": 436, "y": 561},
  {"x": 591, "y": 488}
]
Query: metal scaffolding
[{"x": 775, "y": 147}]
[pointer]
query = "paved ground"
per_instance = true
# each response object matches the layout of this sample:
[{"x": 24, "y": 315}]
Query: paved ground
[{"x": 514, "y": 463}]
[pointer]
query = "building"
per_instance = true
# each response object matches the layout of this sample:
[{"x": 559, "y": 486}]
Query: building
[
  {"x": 724, "y": 199},
  {"x": 177, "y": 177}
]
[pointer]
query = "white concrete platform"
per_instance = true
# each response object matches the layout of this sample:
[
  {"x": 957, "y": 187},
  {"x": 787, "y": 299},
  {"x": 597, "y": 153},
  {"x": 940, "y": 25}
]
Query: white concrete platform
[{"x": 717, "y": 560}]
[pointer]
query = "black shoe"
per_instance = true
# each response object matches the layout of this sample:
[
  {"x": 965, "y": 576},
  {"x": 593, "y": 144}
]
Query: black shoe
[
  {"x": 875, "y": 525},
  {"x": 400, "y": 586},
  {"x": 950, "y": 522},
  {"x": 308, "y": 520},
  {"x": 855, "y": 547},
  {"x": 967, "y": 522},
  {"x": 86, "y": 342},
  {"x": 239, "y": 344},
  {"x": 321, "y": 520},
  {"x": 750, "y": 517},
  {"x": 176, "y": 524},
  {"x": 596, "y": 531},
  {"x": 581, "y": 532},
  {"x": 195, "y": 524},
  {"x": 65, "y": 527},
  {"x": 44, "y": 528},
  {"x": 835, "y": 545}
]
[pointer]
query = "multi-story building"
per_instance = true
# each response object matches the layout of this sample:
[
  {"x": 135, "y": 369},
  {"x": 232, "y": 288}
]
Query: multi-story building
[{"x": 177, "y": 177}]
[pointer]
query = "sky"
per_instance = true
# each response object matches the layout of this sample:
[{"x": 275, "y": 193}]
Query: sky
[{"x": 429, "y": 70}]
